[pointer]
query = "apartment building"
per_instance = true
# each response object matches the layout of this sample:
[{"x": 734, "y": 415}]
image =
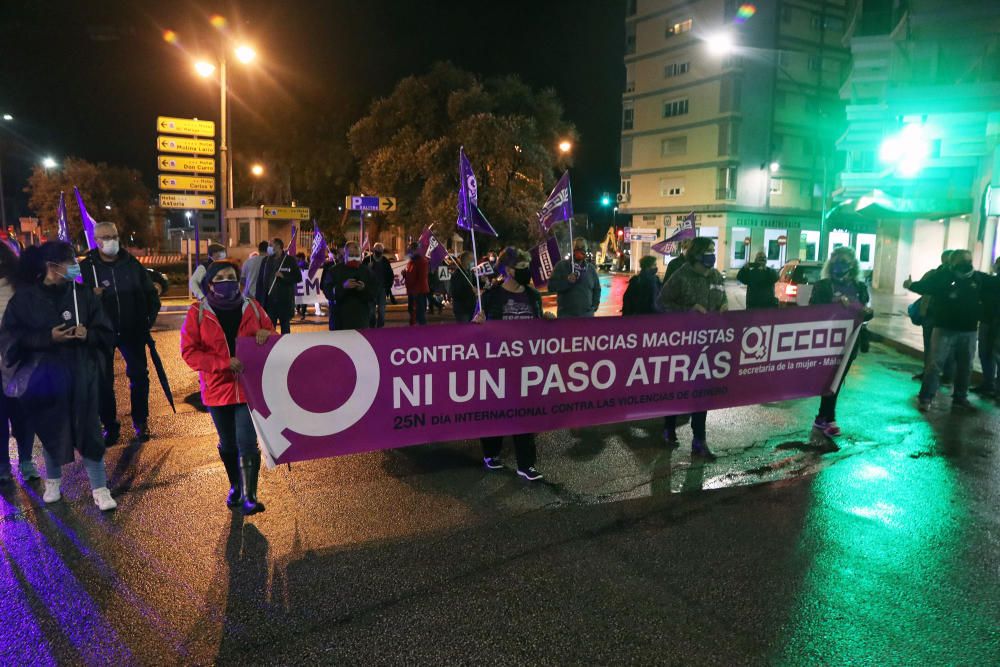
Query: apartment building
[
  {"x": 922, "y": 132},
  {"x": 731, "y": 110}
]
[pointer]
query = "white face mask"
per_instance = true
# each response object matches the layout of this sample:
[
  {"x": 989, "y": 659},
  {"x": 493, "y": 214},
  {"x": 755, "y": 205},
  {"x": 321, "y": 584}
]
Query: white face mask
[
  {"x": 219, "y": 256},
  {"x": 354, "y": 258},
  {"x": 110, "y": 248},
  {"x": 270, "y": 250}
]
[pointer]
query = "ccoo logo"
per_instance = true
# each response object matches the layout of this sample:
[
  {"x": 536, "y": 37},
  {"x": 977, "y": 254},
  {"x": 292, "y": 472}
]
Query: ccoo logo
[{"x": 284, "y": 410}]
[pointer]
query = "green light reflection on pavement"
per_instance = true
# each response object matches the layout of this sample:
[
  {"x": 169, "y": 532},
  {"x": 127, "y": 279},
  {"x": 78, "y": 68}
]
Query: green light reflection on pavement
[{"x": 878, "y": 551}]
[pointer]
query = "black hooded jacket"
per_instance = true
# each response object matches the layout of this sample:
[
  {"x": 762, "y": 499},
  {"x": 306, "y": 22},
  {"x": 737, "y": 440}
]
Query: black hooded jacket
[{"x": 129, "y": 298}]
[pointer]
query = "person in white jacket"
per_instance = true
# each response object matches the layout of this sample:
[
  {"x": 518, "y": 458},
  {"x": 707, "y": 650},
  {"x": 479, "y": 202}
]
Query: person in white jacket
[{"x": 216, "y": 253}]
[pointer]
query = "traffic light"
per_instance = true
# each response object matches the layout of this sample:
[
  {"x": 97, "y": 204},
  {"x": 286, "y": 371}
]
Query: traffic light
[
  {"x": 621, "y": 232},
  {"x": 606, "y": 200}
]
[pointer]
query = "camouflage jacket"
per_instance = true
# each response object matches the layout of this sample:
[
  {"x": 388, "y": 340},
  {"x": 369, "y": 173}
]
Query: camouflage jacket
[{"x": 687, "y": 288}]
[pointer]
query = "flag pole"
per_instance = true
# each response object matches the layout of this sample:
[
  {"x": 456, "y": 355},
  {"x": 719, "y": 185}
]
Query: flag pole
[{"x": 479, "y": 298}]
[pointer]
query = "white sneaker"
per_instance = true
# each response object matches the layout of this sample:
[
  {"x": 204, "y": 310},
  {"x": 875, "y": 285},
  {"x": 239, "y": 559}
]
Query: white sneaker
[
  {"x": 52, "y": 493},
  {"x": 103, "y": 499}
]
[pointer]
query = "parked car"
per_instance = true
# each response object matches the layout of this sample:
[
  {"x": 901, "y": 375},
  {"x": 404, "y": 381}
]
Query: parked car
[
  {"x": 795, "y": 282},
  {"x": 160, "y": 281}
]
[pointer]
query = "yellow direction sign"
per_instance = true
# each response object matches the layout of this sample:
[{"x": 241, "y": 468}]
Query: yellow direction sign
[
  {"x": 199, "y": 165},
  {"x": 286, "y": 212},
  {"x": 182, "y": 145},
  {"x": 197, "y": 128},
  {"x": 176, "y": 182},
  {"x": 202, "y": 202},
  {"x": 387, "y": 204}
]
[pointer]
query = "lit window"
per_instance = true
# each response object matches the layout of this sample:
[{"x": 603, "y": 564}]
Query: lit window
[
  {"x": 678, "y": 28},
  {"x": 776, "y": 186},
  {"x": 675, "y": 108}
]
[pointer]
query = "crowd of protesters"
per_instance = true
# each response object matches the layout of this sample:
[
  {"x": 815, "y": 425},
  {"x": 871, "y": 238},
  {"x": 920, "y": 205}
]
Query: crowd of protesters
[{"x": 63, "y": 320}]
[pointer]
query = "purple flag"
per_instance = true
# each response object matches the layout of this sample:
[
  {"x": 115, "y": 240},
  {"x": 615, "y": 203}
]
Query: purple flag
[
  {"x": 432, "y": 249},
  {"x": 318, "y": 255},
  {"x": 291, "y": 243},
  {"x": 61, "y": 215},
  {"x": 544, "y": 257},
  {"x": 559, "y": 206},
  {"x": 573, "y": 374},
  {"x": 88, "y": 222},
  {"x": 469, "y": 215},
  {"x": 685, "y": 230}
]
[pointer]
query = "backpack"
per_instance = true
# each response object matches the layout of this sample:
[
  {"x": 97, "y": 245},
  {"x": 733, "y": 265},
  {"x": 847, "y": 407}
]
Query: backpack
[
  {"x": 632, "y": 299},
  {"x": 916, "y": 312}
]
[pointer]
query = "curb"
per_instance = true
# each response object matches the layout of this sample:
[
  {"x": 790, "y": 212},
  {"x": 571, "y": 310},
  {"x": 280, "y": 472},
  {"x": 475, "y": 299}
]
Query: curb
[{"x": 910, "y": 351}]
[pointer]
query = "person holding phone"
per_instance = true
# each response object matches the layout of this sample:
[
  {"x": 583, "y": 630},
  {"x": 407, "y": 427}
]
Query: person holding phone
[
  {"x": 350, "y": 289},
  {"x": 60, "y": 334}
]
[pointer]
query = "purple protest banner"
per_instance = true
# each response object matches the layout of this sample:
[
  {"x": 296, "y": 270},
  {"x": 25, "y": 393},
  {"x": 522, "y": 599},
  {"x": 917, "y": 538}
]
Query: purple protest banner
[
  {"x": 558, "y": 207},
  {"x": 544, "y": 258},
  {"x": 88, "y": 222},
  {"x": 320, "y": 394}
]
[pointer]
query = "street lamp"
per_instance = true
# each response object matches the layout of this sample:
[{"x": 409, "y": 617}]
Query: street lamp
[
  {"x": 257, "y": 170},
  {"x": 204, "y": 68},
  {"x": 245, "y": 54},
  {"x": 720, "y": 44},
  {"x": 907, "y": 150},
  {"x": 565, "y": 146},
  {"x": 49, "y": 162},
  {"x": 8, "y": 117},
  {"x": 774, "y": 167}
]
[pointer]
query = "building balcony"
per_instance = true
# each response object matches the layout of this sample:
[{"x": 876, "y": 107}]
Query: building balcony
[{"x": 725, "y": 194}]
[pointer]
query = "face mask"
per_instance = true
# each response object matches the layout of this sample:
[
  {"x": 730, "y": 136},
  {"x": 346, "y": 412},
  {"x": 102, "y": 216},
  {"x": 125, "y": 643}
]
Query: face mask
[
  {"x": 270, "y": 250},
  {"x": 110, "y": 248},
  {"x": 219, "y": 256},
  {"x": 839, "y": 269},
  {"x": 963, "y": 268},
  {"x": 522, "y": 276},
  {"x": 708, "y": 260},
  {"x": 73, "y": 271},
  {"x": 578, "y": 255},
  {"x": 226, "y": 289}
]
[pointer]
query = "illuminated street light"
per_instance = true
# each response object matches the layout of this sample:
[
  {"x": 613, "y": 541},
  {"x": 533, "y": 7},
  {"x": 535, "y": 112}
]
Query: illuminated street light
[
  {"x": 720, "y": 44},
  {"x": 245, "y": 54},
  {"x": 907, "y": 151},
  {"x": 774, "y": 166},
  {"x": 8, "y": 117},
  {"x": 565, "y": 146},
  {"x": 204, "y": 68},
  {"x": 49, "y": 162},
  {"x": 257, "y": 170}
]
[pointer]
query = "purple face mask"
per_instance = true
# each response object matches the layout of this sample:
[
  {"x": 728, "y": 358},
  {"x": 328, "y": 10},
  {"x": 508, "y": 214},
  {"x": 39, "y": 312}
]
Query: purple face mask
[{"x": 224, "y": 294}]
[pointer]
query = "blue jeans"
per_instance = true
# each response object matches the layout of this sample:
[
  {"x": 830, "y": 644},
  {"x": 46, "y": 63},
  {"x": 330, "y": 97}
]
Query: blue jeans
[
  {"x": 95, "y": 471},
  {"x": 378, "y": 309},
  {"x": 232, "y": 422},
  {"x": 14, "y": 422},
  {"x": 948, "y": 345}
]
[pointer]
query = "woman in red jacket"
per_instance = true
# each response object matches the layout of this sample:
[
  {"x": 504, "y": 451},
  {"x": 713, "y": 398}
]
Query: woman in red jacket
[{"x": 208, "y": 345}]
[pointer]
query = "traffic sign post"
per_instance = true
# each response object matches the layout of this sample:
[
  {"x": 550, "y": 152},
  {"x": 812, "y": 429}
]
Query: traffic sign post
[
  {"x": 196, "y": 183},
  {"x": 198, "y": 165},
  {"x": 186, "y": 126},
  {"x": 285, "y": 212},
  {"x": 183, "y": 145},
  {"x": 199, "y": 202},
  {"x": 370, "y": 203}
]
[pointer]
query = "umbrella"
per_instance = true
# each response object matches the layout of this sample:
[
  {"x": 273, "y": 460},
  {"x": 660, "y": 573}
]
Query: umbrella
[{"x": 160, "y": 371}]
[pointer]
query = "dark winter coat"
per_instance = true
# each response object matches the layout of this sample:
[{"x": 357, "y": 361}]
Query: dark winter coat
[
  {"x": 640, "y": 295},
  {"x": 463, "y": 294},
  {"x": 497, "y": 296},
  {"x": 276, "y": 284},
  {"x": 760, "y": 280},
  {"x": 62, "y": 395},
  {"x": 129, "y": 297},
  {"x": 351, "y": 308},
  {"x": 576, "y": 299},
  {"x": 382, "y": 274},
  {"x": 957, "y": 304}
]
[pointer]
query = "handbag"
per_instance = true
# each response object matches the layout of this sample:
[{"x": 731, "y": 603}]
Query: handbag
[
  {"x": 15, "y": 373},
  {"x": 916, "y": 312}
]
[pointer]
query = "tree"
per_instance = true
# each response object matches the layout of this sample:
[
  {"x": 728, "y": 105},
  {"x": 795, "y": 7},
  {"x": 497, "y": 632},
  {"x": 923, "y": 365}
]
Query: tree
[
  {"x": 101, "y": 185},
  {"x": 407, "y": 146}
]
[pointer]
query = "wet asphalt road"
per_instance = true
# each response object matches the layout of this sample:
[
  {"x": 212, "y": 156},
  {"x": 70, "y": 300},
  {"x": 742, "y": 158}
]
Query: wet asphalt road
[{"x": 885, "y": 552}]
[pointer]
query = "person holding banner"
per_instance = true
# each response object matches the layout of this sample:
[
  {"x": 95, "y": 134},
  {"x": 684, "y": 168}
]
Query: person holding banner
[
  {"x": 208, "y": 345},
  {"x": 575, "y": 282},
  {"x": 279, "y": 276},
  {"x": 840, "y": 284},
  {"x": 132, "y": 304},
  {"x": 59, "y": 335},
  {"x": 382, "y": 279},
  {"x": 760, "y": 280},
  {"x": 350, "y": 289},
  {"x": 416, "y": 276},
  {"x": 696, "y": 286},
  {"x": 513, "y": 299},
  {"x": 463, "y": 292}
]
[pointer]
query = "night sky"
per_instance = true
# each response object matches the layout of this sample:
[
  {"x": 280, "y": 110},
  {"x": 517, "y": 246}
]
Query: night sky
[{"x": 87, "y": 79}]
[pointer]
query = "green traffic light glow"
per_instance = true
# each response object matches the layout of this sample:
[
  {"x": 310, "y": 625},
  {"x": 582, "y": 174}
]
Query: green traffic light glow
[
  {"x": 907, "y": 150},
  {"x": 605, "y": 200}
]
